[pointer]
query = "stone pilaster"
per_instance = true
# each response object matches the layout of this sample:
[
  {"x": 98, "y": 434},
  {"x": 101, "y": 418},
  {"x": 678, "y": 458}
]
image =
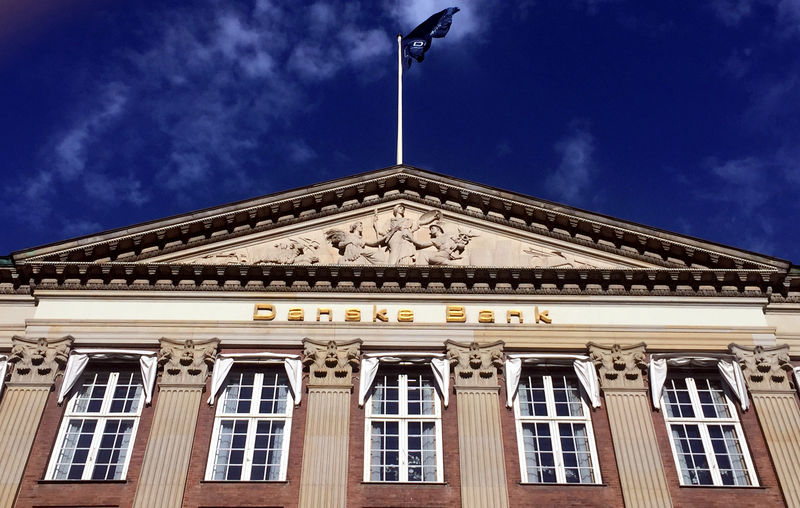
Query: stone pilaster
[
  {"x": 166, "y": 459},
  {"x": 323, "y": 478},
  {"x": 480, "y": 441},
  {"x": 767, "y": 372},
  {"x": 34, "y": 365},
  {"x": 641, "y": 471}
]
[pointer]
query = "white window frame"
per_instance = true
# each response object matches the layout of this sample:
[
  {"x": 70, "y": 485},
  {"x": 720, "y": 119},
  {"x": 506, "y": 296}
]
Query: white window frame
[
  {"x": 702, "y": 423},
  {"x": 403, "y": 419},
  {"x": 253, "y": 417},
  {"x": 102, "y": 417},
  {"x": 553, "y": 421}
]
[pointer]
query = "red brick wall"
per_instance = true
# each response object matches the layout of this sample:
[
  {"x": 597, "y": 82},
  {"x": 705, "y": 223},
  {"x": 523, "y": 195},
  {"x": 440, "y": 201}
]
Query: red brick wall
[{"x": 34, "y": 492}]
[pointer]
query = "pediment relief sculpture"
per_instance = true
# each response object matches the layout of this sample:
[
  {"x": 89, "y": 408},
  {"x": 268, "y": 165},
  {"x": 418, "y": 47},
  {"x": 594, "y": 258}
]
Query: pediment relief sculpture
[{"x": 408, "y": 236}]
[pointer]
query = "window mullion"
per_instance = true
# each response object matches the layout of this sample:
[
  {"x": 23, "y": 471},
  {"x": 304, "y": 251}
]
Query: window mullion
[
  {"x": 709, "y": 450},
  {"x": 561, "y": 475},
  {"x": 403, "y": 425},
  {"x": 91, "y": 458}
]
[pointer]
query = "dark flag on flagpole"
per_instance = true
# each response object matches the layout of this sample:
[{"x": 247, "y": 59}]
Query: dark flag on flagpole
[{"x": 416, "y": 43}]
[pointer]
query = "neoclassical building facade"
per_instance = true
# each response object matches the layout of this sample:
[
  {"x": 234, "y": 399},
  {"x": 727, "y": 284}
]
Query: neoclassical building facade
[{"x": 397, "y": 338}]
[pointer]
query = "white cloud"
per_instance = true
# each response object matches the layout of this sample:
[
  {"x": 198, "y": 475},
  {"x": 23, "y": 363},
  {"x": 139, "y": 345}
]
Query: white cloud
[
  {"x": 573, "y": 176},
  {"x": 731, "y": 12}
]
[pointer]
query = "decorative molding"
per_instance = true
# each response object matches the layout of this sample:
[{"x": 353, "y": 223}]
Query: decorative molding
[
  {"x": 475, "y": 364},
  {"x": 38, "y": 361},
  {"x": 331, "y": 363},
  {"x": 765, "y": 368},
  {"x": 620, "y": 367},
  {"x": 186, "y": 362}
]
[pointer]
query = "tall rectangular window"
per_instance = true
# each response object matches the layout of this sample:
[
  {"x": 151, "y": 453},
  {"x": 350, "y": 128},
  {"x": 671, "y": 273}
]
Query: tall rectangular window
[
  {"x": 403, "y": 429},
  {"x": 99, "y": 427},
  {"x": 554, "y": 430},
  {"x": 250, "y": 441},
  {"x": 705, "y": 433}
]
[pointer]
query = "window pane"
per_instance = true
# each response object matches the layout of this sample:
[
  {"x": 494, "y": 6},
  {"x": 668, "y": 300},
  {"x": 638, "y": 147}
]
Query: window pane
[
  {"x": 712, "y": 398},
  {"x": 127, "y": 393},
  {"x": 74, "y": 450},
  {"x": 539, "y": 459},
  {"x": 239, "y": 393},
  {"x": 267, "y": 450},
  {"x": 385, "y": 451},
  {"x": 729, "y": 455},
  {"x": 575, "y": 452},
  {"x": 230, "y": 450},
  {"x": 691, "y": 455},
  {"x": 113, "y": 450},
  {"x": 567, "y": 396},
  {"x": 421, "y": 451},
  {"x": 386, "y": 395},
  {"x": 677, "y": 401},
  {"x": 420, "y": 395},
  {"x": 531, "y": 396},
  {"x": 274, "y": 393},
  {"x": 89, "y": 396}
]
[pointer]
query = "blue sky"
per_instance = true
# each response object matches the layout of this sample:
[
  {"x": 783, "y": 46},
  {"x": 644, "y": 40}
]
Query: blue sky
[{"x": 680, "y": 115}]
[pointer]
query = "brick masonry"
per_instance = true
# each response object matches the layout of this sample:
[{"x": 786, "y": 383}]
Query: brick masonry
[{"x": 34, "y": 492}]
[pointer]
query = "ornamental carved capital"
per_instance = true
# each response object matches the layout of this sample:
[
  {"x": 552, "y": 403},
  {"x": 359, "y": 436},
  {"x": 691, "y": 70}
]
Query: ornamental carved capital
[
  {"x": 38, "y": 361},
  {"x": 186, "y": 362},
  {"x": 331, "y": 363},
  {"x": 619, "y": 366},
  {"x": 475, "y": 364},
  {"x": 765, "y": 368}
]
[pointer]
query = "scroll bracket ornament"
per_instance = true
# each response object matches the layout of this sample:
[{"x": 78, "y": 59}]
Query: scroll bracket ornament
[
  {"x": 38, "y": 361},
  {"x": 765, "y": 368},
  {"x": 331, "y": 363},
  {"x": 186, "y": 363},
  {"x": 475, "y": 365},
  {"x": 620, "y": 367}
]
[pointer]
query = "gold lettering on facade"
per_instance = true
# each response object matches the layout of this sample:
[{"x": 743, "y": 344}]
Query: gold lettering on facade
[
  {"x": 456, "y": 314},
  {"x": 486, "y": 316},
  {"x": 324, "y": 310},
  {"x": 543, "y": 316},
  {"x": 514, "y": 313},
  {"x": 405, "y": 316},
  {"x": 296, "y": 314},
  {"x": 264, "y": 312},
  {"x": 352, "y": 315},
  {"x": 379, "y": 314}
]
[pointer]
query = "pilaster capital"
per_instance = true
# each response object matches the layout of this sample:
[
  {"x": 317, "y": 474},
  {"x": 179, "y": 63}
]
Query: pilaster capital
[
  {"x": 186, "y": 362},
  {"x": 37, "y": 361},
  {"x": 331, "y": 363},
  {"x": 765, "y": 368},
  {"x": 475, "y": 364},
  {"x": 620, "y": 367}
]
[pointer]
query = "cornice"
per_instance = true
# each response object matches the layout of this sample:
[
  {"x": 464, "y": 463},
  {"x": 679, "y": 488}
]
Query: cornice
[
  {"x": 144, "y": 241},
  {"x": 406, "y": 279}
]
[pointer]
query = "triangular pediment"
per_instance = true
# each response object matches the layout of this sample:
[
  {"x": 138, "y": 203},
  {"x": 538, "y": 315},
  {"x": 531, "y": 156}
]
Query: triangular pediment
[
  {"x": 480, "y": 226},
  {"x": 400, "y": 232}
]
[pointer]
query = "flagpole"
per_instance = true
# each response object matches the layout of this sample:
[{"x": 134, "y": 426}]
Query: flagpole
[{"x": 399, "y": 99}]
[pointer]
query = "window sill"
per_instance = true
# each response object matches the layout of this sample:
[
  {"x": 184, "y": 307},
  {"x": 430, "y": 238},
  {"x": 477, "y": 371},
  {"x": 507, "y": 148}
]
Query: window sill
[
  {"x": 405, "y": 484},
  {"x": 754, "y": 487},
  {"x": 240, "y": 482},
  {"x": 554, "y": 484},
  {"x": 61, "y": 482}
]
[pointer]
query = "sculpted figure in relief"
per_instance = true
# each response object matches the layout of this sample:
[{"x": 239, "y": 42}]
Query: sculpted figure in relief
[
  {"x": 396, "y": 237},
  {"x": 352, "y": 246},
  {"x": 448, "y": 248},
  {"x": 301, "y": 251},
  {"x": 554, "y": 259}
]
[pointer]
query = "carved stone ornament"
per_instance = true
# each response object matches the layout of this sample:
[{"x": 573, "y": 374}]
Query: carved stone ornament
[
  {"x": 186, "y": 362},
  {"x": 547, "y": 258},
  {"x": 331, "y": 363},
  {"x": 37, "y": 361},
  {"x": 475, "y": 364},
  {"x": 620, "y": 366},
  {"x": 765, "y": 368}
]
